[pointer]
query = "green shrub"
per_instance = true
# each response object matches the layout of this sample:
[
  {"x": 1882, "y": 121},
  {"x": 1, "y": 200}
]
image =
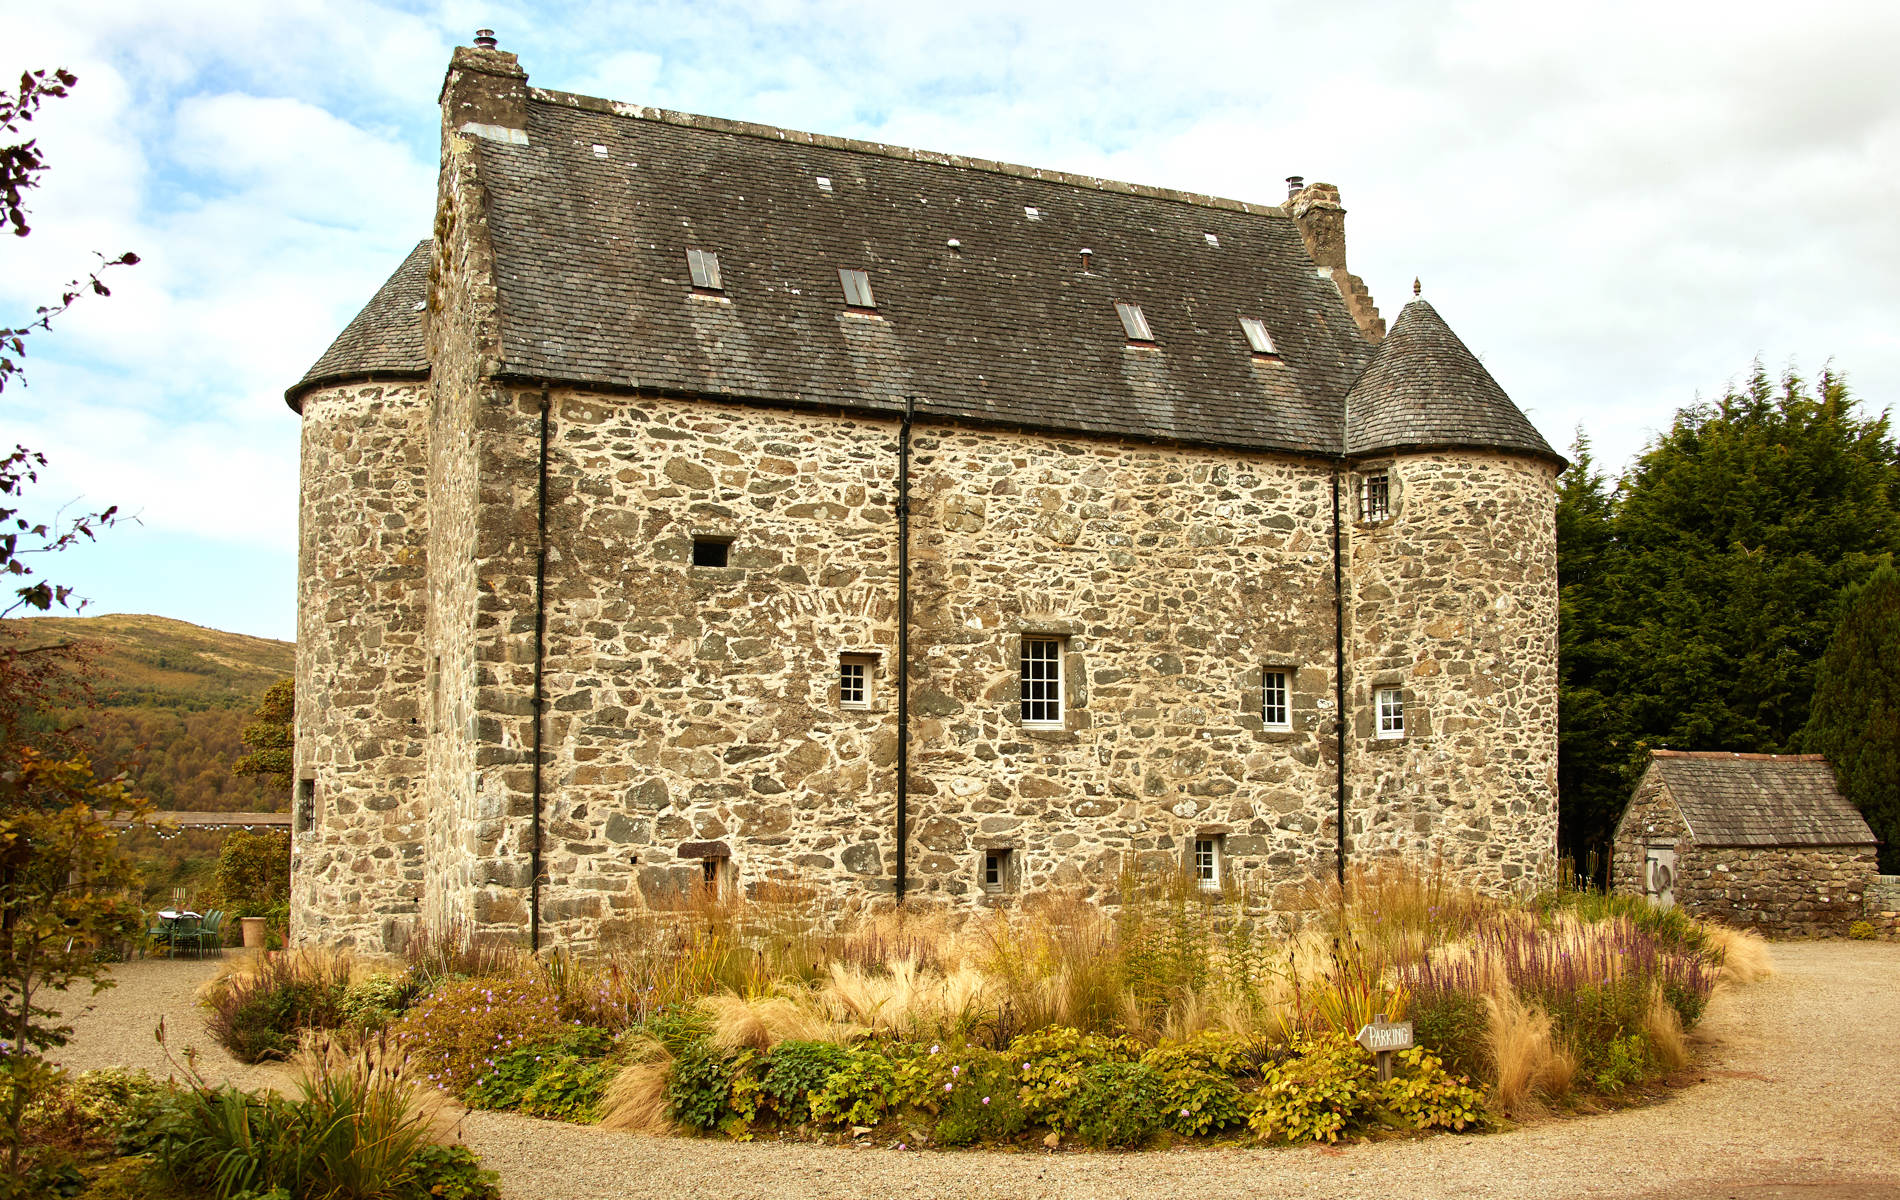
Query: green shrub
[
  {"x": 1422, "y": 1095},
  {"x": 376, "y": 1000},
  {"x": 860, "y": 1092},
  {"x": 1455, "y": 1025},
  {"x": 1050, "y": 1063},
  {"x": 1620, "y": 1062},
  {"x": 699, "y": 1087},
  {"x": 1120, "y": 1103},
  {"x": 564, "y": 1081},
  {"x": 978, "y": 1098},
  {"x": 1323, "y": 1086},
  {"x": 678, "y": 1028},
  {"x": 450, "y": 1173},
  {"x": 453, "y": 1035},
  {"x": 795, "y": 1071},
  {"x": 253, "y": 875}
]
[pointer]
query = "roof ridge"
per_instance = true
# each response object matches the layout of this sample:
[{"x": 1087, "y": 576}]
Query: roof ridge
[
  {"x": 1740, "y": 755},
  {"x": 773, "y": 133}
]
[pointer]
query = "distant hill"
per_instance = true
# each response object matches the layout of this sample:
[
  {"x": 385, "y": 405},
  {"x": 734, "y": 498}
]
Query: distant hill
[{"x": 172, "y": 698}]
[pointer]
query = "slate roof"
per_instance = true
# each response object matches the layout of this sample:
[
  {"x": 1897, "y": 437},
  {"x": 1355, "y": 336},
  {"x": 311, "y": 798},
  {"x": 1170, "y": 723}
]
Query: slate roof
[
  {"x": 1759, "y": 799},
  {"x": 1424, "y": 388},
  {"x": 384, "y": 341},
  {"x": 1008, "y": 327}
]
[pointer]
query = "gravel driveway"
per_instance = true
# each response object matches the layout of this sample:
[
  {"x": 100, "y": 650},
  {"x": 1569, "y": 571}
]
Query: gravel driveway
[{"x": 1797, "y": 1100}]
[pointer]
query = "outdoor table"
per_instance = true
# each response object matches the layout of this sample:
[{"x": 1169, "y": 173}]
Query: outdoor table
[{"x": 170, "y": 917}]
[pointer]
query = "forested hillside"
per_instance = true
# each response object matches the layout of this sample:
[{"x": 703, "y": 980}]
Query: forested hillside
[{"x": 171, "y": 698}]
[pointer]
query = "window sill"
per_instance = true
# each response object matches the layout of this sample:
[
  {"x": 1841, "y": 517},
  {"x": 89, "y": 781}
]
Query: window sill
[{"x": 1047, "y": 733}]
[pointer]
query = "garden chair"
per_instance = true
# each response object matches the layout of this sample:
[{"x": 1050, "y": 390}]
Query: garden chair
[
  {"x": 211, "y": 933},
  {"x": 159, "y": 934},
  {"x": 187, "y": 931}
]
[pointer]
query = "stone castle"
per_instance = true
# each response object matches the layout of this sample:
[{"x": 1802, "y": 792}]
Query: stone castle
[{"x": 616, "y": 496}]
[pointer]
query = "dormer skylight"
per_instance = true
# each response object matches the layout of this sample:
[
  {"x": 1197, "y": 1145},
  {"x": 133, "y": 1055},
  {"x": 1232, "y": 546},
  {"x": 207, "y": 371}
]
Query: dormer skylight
[
  {"x": 1133, "y": 323},
  {"x": 857, "y": 288},
  {"x": 1258, "y": 339},
  {"x": 704, "y": 265}
]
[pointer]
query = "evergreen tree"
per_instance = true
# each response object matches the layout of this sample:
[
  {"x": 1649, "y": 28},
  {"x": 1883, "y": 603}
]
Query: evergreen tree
[
  {"x": 270, "y": 736},
  {"x": 1855, "y": 715}
]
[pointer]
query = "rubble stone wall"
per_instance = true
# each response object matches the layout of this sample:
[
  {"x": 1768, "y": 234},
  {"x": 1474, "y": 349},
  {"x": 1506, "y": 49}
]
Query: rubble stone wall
[
  {"x": 1453, "y": 600},
  {"x": 358, "y": 841},
  {"x": 1650, "y": 818},
  {"x": 1882, "y": 907},
  {"x": 1807, "y": 891}
]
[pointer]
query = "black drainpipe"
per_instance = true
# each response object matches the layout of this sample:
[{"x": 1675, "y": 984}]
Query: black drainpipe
[
  {"x": 1339, "y": 680},
  {"x": 903, "y": 647},
  {"x": 540, "y": 660}
]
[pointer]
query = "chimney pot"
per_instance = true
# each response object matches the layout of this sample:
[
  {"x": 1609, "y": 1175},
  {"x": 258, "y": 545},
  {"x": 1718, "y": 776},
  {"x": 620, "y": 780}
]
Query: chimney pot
[
  {"x": 485, "y": 38},
  {"x": 1085, "y": 260},
  {"x": 1294, "y": 183}
]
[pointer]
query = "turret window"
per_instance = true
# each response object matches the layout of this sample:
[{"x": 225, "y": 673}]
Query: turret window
[{"x": 1375, "y": 497}]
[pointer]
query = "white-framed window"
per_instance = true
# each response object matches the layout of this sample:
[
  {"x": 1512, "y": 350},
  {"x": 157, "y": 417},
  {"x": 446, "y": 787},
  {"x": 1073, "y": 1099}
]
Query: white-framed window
[
  {"x": 997, "y": 876},
  {"x": 1207, "y": 862},
  {"x": 857, "y": 675},
  {"x": 1375, "y": 496},
  {"x": 1276, "y": 698},
  {"x": 1040, "y": 672},
  {"x": 1389, "y": 704}
]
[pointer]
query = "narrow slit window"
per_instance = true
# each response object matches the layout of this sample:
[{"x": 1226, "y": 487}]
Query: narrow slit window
[
  {"x": 857, "y": 288},
  {"x": 711, "y": 552},
  {"x": 1207, "y": 863},
  {"x": 1275, "y": 710},
  {"x": 704, "y": 265},
  {"x": 854, "y": 681},
  {"x": 1042, "y": 682},
  {"x": 1375, "y": 496},
  {"x": 996, "y": 870},
  {"x": 1390, "y": 703},
  {"x": 1258, "y": 339},
  {"x": 1134, "y": 324},
  {"x": 715, "y": 876}
]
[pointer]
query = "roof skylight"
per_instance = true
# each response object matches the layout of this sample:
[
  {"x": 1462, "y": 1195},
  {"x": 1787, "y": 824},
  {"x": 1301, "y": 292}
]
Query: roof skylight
[
  {"x": 1257, "y": 336},
  {"x": 824, "y": 183},
  {"x": 600, "y": 152},
  {"x": 1034, "y": 214},
  {"x": 857, "y": 288},
  {"x": 1212, "y": 240},
  {"x": 1133, "y": 323},
  {"x": 704, "y": 265}
]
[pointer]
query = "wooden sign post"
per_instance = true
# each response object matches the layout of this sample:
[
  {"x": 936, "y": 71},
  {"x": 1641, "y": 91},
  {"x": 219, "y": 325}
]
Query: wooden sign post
[{"x": 1382, "y": 1038}]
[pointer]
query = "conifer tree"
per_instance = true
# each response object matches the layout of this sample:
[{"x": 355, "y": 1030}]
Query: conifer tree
[{"x": 1855, "y": 716}]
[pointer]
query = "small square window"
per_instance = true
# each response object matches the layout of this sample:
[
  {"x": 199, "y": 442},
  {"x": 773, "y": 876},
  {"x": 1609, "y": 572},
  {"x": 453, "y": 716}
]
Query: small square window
[
  {"x": 1276, "y": 711},
  {"x": 1134, "y": 324},
  {"x": 1390, "y": 705},
  {"x": 997, "y": 873},
  {"x": 1258, "y": 339},
  {"x": 711, "y": 552},
  {"x": 704, "y": 265},
  {"x": 1207, "y": 863},
  {"x": 1041, "y": 682},
  {"x": 857, "y": 288},
  {"x": 855, "y": 675},
  {"x": 1375, "y": 496}
]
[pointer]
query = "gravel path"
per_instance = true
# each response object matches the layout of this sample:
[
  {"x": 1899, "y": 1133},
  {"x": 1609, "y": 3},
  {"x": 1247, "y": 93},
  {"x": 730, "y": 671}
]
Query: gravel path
[{"x": 1796, "y": 1100}]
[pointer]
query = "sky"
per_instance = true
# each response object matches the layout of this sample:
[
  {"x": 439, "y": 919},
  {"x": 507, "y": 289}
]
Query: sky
[{"x": 1618, "y": 206}]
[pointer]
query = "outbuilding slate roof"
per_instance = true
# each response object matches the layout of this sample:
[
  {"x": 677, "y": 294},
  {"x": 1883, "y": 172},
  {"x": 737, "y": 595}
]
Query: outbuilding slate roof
[
  {"x": 592, "y": 218},
  {"x": 1759, "y": 799},
  {"x": 1424, "y": 388}
]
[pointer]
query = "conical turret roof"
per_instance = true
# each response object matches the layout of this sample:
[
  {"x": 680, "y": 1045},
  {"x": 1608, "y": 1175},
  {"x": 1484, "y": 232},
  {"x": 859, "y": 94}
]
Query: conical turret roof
[{"x": 1424, "y": 388}]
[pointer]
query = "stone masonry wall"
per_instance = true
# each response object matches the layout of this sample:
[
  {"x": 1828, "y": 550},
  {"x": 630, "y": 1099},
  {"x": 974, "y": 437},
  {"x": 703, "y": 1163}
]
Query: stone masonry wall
[
  {"x": 362, "y": 563},
  {"x": 693, "y": 710},
  {"x": 1882, "y": 906},
  {"x": 1784, "y": 891},
  {"x": 1453, "y": 600}
]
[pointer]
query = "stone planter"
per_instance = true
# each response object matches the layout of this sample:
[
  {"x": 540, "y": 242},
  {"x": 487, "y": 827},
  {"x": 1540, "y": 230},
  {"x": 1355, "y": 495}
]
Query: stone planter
[{"x": 253, "y": 932}]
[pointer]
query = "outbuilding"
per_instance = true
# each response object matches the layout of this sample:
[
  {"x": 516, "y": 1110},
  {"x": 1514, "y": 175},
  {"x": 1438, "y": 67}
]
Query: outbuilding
[{"x": 1762, "y": 841}]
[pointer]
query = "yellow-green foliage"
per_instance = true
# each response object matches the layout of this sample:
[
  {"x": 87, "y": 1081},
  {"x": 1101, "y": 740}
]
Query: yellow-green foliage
[
  {"x": 1050, "y": 1064},
  {"x": 451, "y": 1036},
  {"x": 1323, "y": 1085},
  {"x": 1423, "y": 1095},
  {"x": 860, "y": 1092},
  {"x": 1199, "y": 1091}
]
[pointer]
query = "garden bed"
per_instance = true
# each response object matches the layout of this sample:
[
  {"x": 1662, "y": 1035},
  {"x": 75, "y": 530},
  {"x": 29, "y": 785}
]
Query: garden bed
[{"x": 1172, "y": 1017}]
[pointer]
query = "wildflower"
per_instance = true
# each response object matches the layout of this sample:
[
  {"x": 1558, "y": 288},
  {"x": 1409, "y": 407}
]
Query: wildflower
[
  {"x": 956, "y": 1070},
  {"x": 946, "y": 1087},
  {"x": 934, "y": 1049},
  {"x": 986, "y": 1099}
]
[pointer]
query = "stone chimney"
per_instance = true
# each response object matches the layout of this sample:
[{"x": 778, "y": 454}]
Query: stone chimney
[
  {"x": 1321, "y": 218},
  {"x": 485, "y": 93}
]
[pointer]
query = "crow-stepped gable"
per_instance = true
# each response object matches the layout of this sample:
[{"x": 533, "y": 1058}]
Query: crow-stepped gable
[{"x": 616, "y": 493}]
